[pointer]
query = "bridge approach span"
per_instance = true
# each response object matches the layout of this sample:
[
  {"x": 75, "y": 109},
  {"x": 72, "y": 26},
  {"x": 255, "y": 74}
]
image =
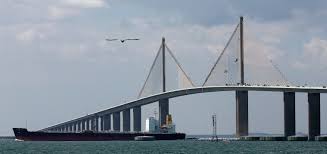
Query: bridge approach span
[{"x": 189, "y": 91}]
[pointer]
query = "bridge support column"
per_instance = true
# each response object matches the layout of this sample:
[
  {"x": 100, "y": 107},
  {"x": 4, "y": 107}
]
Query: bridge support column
[
  {"x": 289, "y": 114},
  {"x": 83, "y": 125},
  {"x": 163, "y": 110},
  {"x": 127, "y": 120},
  {"x": 92, "y": 124},
  {"x": 96, "y": 123},
  {"x": 116, "y": 121},
  {"x": 71, "y": 128},
  {"x": 87, "y": 124},
  {"x": 314, "y": 115},
  {"x": 75, "y": 127},
  {"x": 78, "y": 126},
  {"x": 106, "y": 122},
  {"x": 242, "y": 113},
  {"x": 102, "y": 123},
  {"x": 137, "y": 119}
]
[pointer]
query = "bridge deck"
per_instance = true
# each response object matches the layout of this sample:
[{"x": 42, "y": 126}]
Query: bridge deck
[{"x": 195, "y": 90}]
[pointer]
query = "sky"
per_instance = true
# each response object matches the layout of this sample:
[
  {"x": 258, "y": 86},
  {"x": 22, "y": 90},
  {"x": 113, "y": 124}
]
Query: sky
[{"x": 55, "y": 64}]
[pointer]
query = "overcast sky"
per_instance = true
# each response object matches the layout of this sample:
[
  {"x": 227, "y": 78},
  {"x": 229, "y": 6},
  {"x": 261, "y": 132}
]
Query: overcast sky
[{"x": 55, "y": 64}]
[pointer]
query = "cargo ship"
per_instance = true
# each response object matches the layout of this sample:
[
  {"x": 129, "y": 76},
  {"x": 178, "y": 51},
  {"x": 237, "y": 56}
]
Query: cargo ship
[
  {"x": 165, "y": 132},
  {"x": 22, "y": 134}
]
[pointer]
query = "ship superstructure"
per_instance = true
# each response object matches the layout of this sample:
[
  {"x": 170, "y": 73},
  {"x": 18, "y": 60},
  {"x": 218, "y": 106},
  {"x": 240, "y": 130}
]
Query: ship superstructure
[{"x": 152, "y": 125}]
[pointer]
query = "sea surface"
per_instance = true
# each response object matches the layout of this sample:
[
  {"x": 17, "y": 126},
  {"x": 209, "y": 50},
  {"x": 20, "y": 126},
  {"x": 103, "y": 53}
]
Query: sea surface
[{"x": 9, "y": 146}]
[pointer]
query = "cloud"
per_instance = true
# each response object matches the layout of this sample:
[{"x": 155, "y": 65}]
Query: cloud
[
  {"x": 314, "y": 53},
  {"x": 56, "y": 12},
  {"x": 85, "y": 3},
  {"x": 316, "y": 50},
  {"x": 28, "y": 35},
  {"x": 68, "y": 8}
]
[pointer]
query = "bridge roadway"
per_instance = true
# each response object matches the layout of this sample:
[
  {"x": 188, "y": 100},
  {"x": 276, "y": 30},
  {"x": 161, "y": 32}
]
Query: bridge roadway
[{"x": 136, "y": 104}]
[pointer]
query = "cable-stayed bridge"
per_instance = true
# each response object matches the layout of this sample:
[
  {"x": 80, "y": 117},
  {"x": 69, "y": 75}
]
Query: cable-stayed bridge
[{"x": 231, "y": 72}]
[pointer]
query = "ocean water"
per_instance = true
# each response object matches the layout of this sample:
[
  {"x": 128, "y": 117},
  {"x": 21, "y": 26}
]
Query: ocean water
[{"x": 152, "y": 147}]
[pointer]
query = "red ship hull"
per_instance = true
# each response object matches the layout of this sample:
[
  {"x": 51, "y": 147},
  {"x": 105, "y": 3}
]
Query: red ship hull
[{"x": 25, "y": 135}]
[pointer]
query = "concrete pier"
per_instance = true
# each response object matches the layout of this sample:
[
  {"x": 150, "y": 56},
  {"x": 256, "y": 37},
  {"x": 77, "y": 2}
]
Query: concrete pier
[
  {"x": 116, "y": 121},
  {"x": 163, "y": 110},
  {"x": 127, "y": 120},
  {"x": 92, "y": 124},
  {"x": 83, "y": 125},
  {"x": 314, "y": 115},
  {"x": 76, "y": 126},
  {"x": 88, "y": 124},
  {"x": 137, "y": 119},
  {"x": 107, "y": 122},
  {"x": 96, "y": 123},
  {"x": 242, "y": 113},
  {"x": 73, "y": 127},
  {"x": 70, "y": 128},
  {"x": 289, "y": 114},
  {"x": 102, "y": 123},
  {"x": 79, "y": 126}
]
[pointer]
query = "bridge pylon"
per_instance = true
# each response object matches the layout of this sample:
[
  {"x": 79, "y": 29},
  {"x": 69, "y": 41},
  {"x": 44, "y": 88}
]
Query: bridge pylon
[
  {"x": 242, "y": 115},
  {"x": 165, "y": 74},
  {"x": 164, "y": 103}
]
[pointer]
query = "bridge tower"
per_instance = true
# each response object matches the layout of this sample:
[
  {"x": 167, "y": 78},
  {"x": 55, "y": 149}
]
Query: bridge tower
[
  {"x": 242, "y": 122},
  {"x": 165, "y": 74},
  {"x": 163, "y": 103}
]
